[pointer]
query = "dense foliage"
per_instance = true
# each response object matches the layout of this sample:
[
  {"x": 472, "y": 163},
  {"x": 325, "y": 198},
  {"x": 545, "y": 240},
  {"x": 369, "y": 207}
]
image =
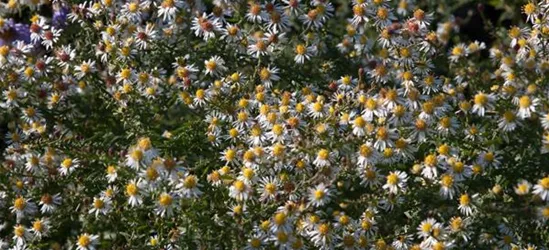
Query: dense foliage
[{"x": 289, "y": 124}]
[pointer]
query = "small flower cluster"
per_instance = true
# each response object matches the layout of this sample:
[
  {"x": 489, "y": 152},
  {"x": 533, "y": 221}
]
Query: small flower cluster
[{"x": 293, "y": 124}]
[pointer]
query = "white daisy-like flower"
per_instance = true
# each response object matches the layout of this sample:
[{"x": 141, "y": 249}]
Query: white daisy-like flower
[
  {"x": 40, "y": 227},
  {"x": 87, "y": 242},
  {"x": 21, "y": 235},
  {"x": 542, "y": 189},
  {"x": 465, "y": 205},
  {"x": 240, "y": 191},
  {"x": 85, "y": 68},
  {"x": 303, "y": 53},
  {"x": 134, "y": 190},
  {"x": 483, "y": 102},
  {"x": 319, "y": 195},
  {"x": 527, "y": 106},
  {"x": 268, "y": 75},
  {"x": 100, "y": 205},
  {"x": 167, "y": 9},
  {"x": 447, "y": 186},
  {"x": 458, "y": 52},
  {"x": 323, "y": 158},
  {"x": 68, "y": 165},
  {"x": 23, "y": 208},
  {"x": 367, "y": 154},
  {"x": 49, "y": 203},
  {"x": 396, "y": 181},
  {"x": 189, "y": 187},
  {"x": 165, "y": 204},
  {"x": 145, "y": 36},
  {"x": 205, "y": 27},
  {"x": 215, "y": 66},
  {"x": 268, "y": 188},
  {"x": 523, "y": 187}
]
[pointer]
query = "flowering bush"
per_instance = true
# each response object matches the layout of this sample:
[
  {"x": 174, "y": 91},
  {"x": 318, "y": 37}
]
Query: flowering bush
[{"x": 173, "y": 124}]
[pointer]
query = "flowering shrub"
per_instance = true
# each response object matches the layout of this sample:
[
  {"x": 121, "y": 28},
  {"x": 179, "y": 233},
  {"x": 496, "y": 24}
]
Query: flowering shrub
[{"x": 286, "y": 124}]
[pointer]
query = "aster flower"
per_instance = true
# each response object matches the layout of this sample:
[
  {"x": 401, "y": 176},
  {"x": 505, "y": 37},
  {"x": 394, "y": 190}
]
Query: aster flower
[
  {"x": 215, "y": 66},
  {"x": 320, "y": 195},
  {"x": 205, "y": 27},
  {"x": 526, "y": 106},
  {"x": 396, "y": 181},
  {"x": 87, "y": 242},
  {"x": 542, "y": 188},
  {"x": 240, "y": 191},
  {"x": 303, "y": 53}
]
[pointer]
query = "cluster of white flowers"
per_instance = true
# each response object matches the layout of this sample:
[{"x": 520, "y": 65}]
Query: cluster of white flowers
[{"x": 317, "y": 125}]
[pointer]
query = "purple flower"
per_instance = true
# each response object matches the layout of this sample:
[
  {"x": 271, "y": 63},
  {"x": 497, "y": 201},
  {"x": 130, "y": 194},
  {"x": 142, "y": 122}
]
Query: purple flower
[
  {"x": 15, "y": 32},
  {"x": 59, "y": 18}
]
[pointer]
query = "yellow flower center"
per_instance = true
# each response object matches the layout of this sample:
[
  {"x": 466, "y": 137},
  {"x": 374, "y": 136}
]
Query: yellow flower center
[
  {"x": 233, "y": 132},
  {"x": 457, "y": 51},
  {"x": 419, "y": 14},
  {"x": 489, "y": 156},
  {"x": 133, "y": 7},
  {"x": 137, "y": 154},
  {"x": 443, "y": 149},
  {"x": 190, "y": 182},
  {"x": 382, "y": 13},
  {"x": 382, "y": 133},
  {"x": 348, "y": 241},
  {"x": 278, "y": 150},
  {"x": 98, "y": 203},
  {"x": 509, "y": 116},
  {"x": 279, "y": 218},
  {"x": 545, "y": 212},
  {"x": 242, "y": 116},
  {"x": 324, "y": 229},
  {"x": 481, "y": 99},
  {"x": 256, "y": 131},
  {"x": 371, "y": 104},
  {"x": 131, "y": 189},
  {"x": 4, "y": 50},
  {"x": 211, "y": 65},
  {"x": 300, "y": 49},
  {"x": 544, "y": 183},
  {"x": 360, "y": 122},
  {"x": 270, "y": 188},
  {"x": 319, "y": 194},
  {"x": 456, "y": 223},
  {"x": 151, "y": 173},
  {"x": 426, "y": 227},
  {"x": 392, "y": 179},
  {"x": 67, "y": 163},
  {"x": 529, "y": 8},
  {"x": 84, "y": 240},
  {"x": 515, "y": 32},
  {"x": 165, "y": 200},
  {"x": 439, "y": 246},
  {"x": 37, "y": 225},
  {"x": 447, "y": 181},
  {"x": 255, "y": 242},
  {"x": 323, "y": 154},
  {"x": 428, "y": 107},
  {"x": 458, "y": 167},
  {"x": 248, "y": 173},
  {"x": 524, "y": 102},
  {"x": 230, "y": 154},
  {"x": 239, "y": 185},
  {"x": 20, "y": 203},
  {"x": 431, "y": 160},
  {"x": 264, "y": 74},
  {"x": 19, "y": 231},
  {"x": 464, "y": 199}
]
